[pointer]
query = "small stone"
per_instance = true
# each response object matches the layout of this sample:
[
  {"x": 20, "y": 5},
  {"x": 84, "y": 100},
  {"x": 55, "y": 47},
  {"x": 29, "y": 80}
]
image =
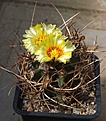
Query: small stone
[
  {"x": 74, "y": 110},
  {"x": 92, "y": 94},
  {"x": 35, "y": 110},
  {"x": 52, "y": 111},
  {"x": 92, "y": 103}
]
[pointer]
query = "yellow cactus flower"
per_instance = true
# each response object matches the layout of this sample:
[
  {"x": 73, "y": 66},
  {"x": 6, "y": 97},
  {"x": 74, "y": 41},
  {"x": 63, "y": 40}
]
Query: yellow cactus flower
[
  {"x": 36, "y": 34},
  {"x": 55, "y": 48}
]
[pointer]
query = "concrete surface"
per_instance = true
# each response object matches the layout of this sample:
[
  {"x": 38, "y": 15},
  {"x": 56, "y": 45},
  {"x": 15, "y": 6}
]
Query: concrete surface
[{"x": 15, "y": 15}]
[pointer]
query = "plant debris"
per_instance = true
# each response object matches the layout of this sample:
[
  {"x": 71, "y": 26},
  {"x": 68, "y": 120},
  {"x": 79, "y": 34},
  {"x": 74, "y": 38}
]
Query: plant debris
[{"x": 57, "y": 87}]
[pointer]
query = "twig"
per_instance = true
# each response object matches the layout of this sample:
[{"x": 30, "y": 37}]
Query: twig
[
  {"x": 45, "y": 101},
  {"x": 63, "y": 21},
  {"x": 66, "y": 90},
  {"x": 57, "y": 102},
  {"x": 18, "y": 54},
  {"x": 18, "y": 76},
  {"x": 90, "y": 23},
  {"x": 6, "y": 86},
  {"x": 72, "y": 79},
  {"x": 94, "y": 78},
  {"x": 79, "y": 102},
  {"x": 11, "y": 72},
  {"x": 11, "y": 90},
  {"x": 96, "y": 51},
  {"x": 62, "y": 26},
  {"x": 33, "y": 14},
  {"x": 17, "y": 37}
]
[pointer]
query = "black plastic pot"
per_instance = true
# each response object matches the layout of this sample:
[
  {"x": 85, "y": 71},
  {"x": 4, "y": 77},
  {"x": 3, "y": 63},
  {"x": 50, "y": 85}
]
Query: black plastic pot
[{"x": 44, "y": 116}]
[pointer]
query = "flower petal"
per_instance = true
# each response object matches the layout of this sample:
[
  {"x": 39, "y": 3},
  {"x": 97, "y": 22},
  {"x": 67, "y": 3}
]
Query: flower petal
[
  {"x": 33, "y": 30},
  {"x": 55, "y": 47}
]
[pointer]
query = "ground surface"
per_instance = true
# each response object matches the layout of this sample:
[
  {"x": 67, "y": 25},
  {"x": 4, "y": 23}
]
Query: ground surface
[{"x": 15, "y": 15}]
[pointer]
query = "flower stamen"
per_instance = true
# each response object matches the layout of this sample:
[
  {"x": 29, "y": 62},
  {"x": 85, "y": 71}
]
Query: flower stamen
[
  {"x": 40, "y": 38},
  {"x": 54, "y": 52}
]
